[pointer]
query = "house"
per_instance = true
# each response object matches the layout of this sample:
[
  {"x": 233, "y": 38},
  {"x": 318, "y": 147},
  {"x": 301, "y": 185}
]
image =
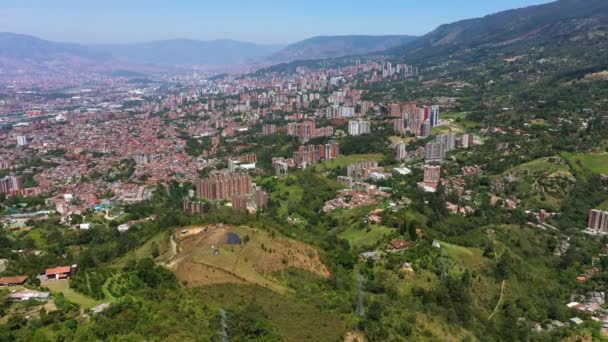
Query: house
[
  {"x": 61, "y": 272},
  {"x": 577, "y": 320},
  {"x": 84, "y": 226},
  {"x": 100, "y": 308},
  {"x": 399, "y": 244},
  {"x": 11, "y": 281},
  {"x": 29, "y": 295},
  {"x": 123, "y": 227}
]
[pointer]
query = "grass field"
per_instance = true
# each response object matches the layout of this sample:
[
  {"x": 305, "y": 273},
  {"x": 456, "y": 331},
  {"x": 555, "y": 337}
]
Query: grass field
[
  {"x": 71, "y": 295},
  {"x": 541, "y": 165},
  {"x": 209, "y": 258},
  {"x": 344, "y": 161},
  {"x": 468, "y": 257},
  {"x": 359, "y": 238},
  {"x": 448, "y": 127},
  {"x": 595, "y": 162},
  {"x": 293, "y": 318}
]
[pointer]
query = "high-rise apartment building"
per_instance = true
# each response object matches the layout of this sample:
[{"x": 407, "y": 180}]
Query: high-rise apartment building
[
  {"x": 434, "y": 116},
  {"x": 240, "y": 203},
  {"x": 433, "y": 152},
  {"x": 269, "y": 129},
  {"x": 359, "y": 127},
  {"x": 9, "y": 184},
  {"x": 432, "y": 174},
  {"x": 598, "y": 220},
  {"x": 426, "y": 128},
  {"x": 223, "y": 186},
  {"x": 399, "y": 126},
  {"x": 401, "y": 151}
]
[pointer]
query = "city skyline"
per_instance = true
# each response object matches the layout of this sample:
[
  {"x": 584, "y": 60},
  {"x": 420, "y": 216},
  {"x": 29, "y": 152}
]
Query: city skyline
[{"x": 268, "y": 22}]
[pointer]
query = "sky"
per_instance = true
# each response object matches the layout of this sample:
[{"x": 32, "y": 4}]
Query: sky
[{"x": 259, "y": 21}]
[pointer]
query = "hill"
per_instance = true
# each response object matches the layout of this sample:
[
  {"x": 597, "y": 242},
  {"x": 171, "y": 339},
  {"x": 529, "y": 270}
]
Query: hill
[
  {"x": 559, "y": 20},
  {"x": 324, "y": 47},
  {"x": 220, "y": 254}
]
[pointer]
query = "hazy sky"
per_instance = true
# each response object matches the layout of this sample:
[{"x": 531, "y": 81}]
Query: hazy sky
[{"x": 263, "y": 21}]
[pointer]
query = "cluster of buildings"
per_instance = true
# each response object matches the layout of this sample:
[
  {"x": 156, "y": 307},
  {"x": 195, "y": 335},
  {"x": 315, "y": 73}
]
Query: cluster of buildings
[
  {"x": 366, "y": 170},
  {"x": 436, "y": 151},
  {"x": 223, "y": 186},
  {"x": 598, "y": 222},
  {"x": 359, "y": 195},
  {"x": 312, "y": 154},
  {"x": 307, "y": 130},
  {"x": 414, "y": 120},
  {"x": 234, "y": 187}
]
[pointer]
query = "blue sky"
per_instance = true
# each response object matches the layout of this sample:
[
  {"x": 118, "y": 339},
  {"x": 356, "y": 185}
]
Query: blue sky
[{"x": 262, "y": 21}]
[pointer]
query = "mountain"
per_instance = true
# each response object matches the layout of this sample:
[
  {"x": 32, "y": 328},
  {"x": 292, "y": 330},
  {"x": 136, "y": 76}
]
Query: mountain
[
  {"x": 189, "y": 52},
  {"x": 24, "y": 54},
  {"x": 24, "y": 47},
  {"x": 325, "y": 47},
  {"x": 554, "y": 20}
]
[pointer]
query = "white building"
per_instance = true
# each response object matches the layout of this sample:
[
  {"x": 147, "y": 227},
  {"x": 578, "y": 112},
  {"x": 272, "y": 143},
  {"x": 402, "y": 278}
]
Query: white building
[
  {"x": 401, "y": 151},
  {"x": 21, "y": 140},
  {"x": 359, "y": 127}
]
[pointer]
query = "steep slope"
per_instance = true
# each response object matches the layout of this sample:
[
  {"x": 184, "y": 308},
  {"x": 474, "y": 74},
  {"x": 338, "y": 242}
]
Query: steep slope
[
  {"x": 189, "y": 52},
  {"x": 337, "y": 46},
  {"x": 556, "y": 20}
]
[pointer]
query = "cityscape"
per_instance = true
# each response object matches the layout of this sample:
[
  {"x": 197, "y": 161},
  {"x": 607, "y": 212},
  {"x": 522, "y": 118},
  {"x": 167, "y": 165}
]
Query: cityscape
[{"x": 440, "y": 186}]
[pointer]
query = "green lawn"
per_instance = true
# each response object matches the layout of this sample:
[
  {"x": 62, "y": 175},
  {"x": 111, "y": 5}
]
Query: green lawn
[
  {"x": 71, "y": 295},
  {"x": 364, "y": 238},
  {"x": 469, "y": 257},
  {"x": 595, "y": 162},
  {"x": 344, "y": 161}
]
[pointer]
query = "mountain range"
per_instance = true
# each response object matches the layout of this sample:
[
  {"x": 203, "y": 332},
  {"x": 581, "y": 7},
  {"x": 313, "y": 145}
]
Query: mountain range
[
  {"x": 18, "y": 49},
  {"x": 571, "y": 22},
  {"x": 324, "y": 47}
]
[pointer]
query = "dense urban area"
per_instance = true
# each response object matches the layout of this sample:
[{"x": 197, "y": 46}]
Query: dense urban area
[{"x": 440, "y": 192}]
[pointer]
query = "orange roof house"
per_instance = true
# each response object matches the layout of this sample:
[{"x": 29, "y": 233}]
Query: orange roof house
[
  {"x": 61, "y": 272},
  {"x": 8, "y": 281}
]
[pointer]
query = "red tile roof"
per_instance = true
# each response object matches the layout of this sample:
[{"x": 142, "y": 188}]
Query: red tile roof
[
  {"x": 13, "y": 280},
  {"x": 58, "y": 270}
]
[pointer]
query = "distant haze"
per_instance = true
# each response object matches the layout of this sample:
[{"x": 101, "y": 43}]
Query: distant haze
[{"x": 262, "y": 21}]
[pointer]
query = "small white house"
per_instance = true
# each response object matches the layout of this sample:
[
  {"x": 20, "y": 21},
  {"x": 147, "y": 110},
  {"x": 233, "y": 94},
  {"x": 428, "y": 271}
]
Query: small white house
[
  {"x": 123, "y": 227},
  {"x": 84, "y": 226}
]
